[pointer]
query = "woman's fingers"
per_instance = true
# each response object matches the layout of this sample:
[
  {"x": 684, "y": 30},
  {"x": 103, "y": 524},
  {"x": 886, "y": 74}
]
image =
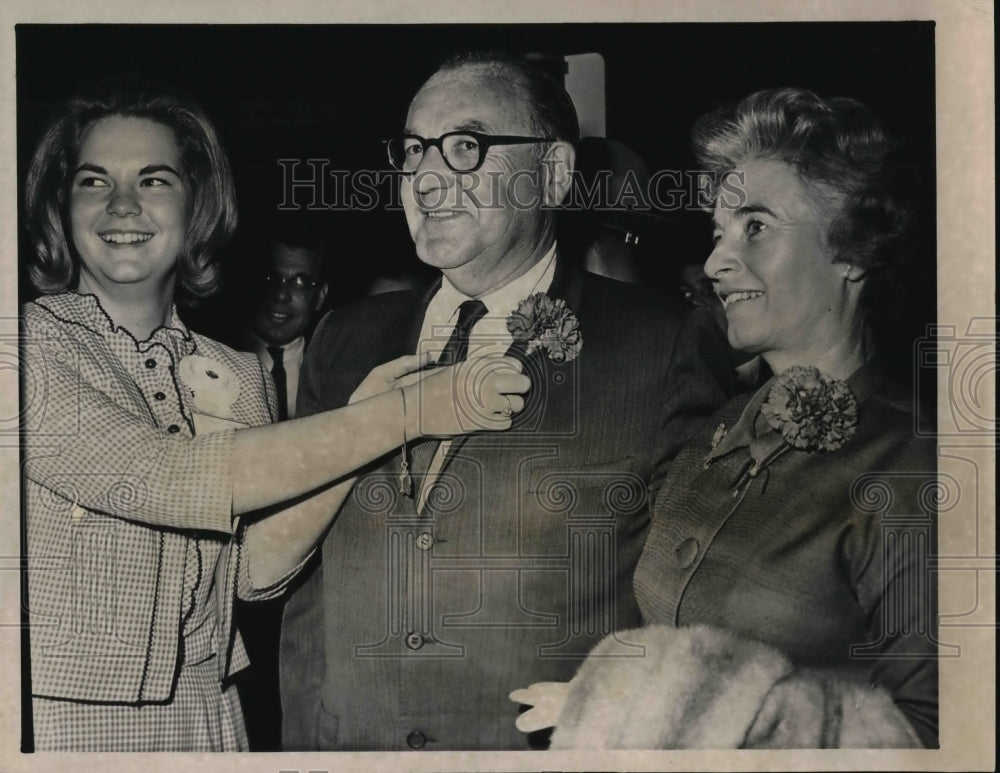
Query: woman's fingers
[
  {"x": 399, "y": 367},
  {"x": 509, "y": 383},
  {"x": 479, "y": 394},
  {"x": 389, "y": 375},
  {"x": 547, "y": 700}
]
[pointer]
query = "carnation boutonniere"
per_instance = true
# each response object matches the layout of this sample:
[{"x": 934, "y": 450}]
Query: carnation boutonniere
[
  {"x": 811, "y": 410},
  {"x": 213, "y": 388},
  {"x": 546, "y": 323}
]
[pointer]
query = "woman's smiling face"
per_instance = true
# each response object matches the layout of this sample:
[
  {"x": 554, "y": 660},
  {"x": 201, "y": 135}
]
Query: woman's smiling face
[
  {"x": 784, "y": 296},
  {"x": 128, "y": 206}
]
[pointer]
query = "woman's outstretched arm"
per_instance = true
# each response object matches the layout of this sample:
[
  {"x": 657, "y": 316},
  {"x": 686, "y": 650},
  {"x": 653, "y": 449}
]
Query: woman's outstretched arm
[{"x": 341, "y": 441}]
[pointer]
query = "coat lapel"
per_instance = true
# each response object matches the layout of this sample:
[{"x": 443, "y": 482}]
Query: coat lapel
[{"x": 567, "y": 283}]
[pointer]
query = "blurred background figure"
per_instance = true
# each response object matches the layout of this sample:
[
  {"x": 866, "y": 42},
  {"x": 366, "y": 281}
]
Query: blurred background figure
[
  {"x": 614, "y": 224},
  {"x": 696, "y": 289},
  {"x": 290, "y": 291}
]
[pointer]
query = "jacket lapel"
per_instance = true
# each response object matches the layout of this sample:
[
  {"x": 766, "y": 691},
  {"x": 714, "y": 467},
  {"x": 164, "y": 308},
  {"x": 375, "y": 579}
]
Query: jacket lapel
[{"x": 567, "y": 283}]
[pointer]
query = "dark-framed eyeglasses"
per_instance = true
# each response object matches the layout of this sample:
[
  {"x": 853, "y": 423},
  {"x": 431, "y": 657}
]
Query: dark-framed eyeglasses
[
  {"x": 296, "y": 282},
  {"x": 462, "y": 151}
]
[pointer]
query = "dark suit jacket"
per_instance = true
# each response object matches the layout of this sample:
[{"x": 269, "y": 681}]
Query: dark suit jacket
[{"x": 417, "y": 627}]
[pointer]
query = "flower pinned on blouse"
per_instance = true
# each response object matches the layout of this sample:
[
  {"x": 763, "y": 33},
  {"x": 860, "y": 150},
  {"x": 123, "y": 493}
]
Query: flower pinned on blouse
[
  {"x": 212, "y": 385},
  {"x": 811, "y": 410},
  {"x": 546, "y": 323}
]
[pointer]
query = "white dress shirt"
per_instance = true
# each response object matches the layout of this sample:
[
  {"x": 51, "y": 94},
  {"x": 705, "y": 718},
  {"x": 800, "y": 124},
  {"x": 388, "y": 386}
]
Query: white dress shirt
[
  {"x": 489, "y": 336},
  {"x": 291, "y": 359}
]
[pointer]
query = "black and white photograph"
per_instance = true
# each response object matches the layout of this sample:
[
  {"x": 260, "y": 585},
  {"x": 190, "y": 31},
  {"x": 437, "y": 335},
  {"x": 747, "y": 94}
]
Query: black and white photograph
[{"x": 467, "y": 390}]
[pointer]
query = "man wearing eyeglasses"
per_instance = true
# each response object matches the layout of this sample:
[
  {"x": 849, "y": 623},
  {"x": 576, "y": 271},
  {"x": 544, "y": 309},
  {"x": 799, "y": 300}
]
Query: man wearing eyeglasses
[
  {"x": 294, "y": 290},
  {"x": 460, "y": 570}
]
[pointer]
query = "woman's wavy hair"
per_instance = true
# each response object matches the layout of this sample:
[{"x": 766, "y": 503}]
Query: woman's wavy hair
[
  {"x": 212, "y": 214},
  {"x": 839, "y": 144}
]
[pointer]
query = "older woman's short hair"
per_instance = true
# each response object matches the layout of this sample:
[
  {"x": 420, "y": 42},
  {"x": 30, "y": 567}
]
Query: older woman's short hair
[
  {"x": 835, "y": 145},
  {"x": 55, "y": 265}
]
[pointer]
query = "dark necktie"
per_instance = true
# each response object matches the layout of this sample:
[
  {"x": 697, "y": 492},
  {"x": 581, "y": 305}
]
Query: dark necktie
[
  {"x": 455, "y": 351},
  {"x": 457, "y": 348},
  {"x": 280, "y": 381}
]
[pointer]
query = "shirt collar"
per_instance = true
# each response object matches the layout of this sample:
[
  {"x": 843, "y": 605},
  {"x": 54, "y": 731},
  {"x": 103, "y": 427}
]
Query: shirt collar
[
  {"x": 292, "y": 349},
  {"x": 86, "y": 310}
]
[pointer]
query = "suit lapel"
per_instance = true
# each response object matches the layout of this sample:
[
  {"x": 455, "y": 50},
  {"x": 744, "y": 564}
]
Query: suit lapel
[
  {"x": 416, "y": 320},
  {"x": 567, "y": 283}
]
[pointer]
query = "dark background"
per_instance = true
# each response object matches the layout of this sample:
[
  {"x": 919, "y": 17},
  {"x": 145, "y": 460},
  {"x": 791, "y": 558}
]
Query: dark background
[{"x": 335, "y": 92}]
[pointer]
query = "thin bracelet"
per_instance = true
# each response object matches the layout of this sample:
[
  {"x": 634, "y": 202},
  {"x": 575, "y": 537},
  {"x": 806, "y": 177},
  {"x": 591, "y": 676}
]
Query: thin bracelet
[{"x": 405, "y": 480}]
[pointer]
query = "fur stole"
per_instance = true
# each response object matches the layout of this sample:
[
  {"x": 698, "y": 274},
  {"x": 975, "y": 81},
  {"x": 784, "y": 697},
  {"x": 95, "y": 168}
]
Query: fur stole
[{"x": 706, "y": 688}]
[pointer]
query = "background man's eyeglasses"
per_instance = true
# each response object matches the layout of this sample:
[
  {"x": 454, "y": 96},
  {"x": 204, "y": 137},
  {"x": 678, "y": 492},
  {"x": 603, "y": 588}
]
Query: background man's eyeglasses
[
  {"x": 462, "y": 151},
  {"x": 297, "y": 282}
]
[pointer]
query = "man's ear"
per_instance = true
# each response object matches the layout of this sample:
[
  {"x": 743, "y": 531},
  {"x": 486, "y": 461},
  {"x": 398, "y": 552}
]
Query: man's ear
[
  {"x": 557, "y": 166},
  {"x": 321, "y": 296}
]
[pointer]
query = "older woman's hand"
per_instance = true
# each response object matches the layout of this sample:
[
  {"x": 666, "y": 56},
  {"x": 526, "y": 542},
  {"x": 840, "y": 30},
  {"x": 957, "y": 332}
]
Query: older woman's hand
[{"x": 547, "y": 700}]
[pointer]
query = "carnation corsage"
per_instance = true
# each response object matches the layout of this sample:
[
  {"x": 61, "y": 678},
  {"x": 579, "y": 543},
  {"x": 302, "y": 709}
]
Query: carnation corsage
[
  {"x": 546, "y": 323},
  {"x": 807, "y": 409},
  {"x": 811, "y": 410},
  {"x": 213, "y": 388}
]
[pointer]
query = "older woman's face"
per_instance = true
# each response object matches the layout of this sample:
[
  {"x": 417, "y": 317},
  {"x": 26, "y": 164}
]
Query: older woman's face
[
  {"x": 128, "y": 206},
  {"x": 784, "y": 296}
]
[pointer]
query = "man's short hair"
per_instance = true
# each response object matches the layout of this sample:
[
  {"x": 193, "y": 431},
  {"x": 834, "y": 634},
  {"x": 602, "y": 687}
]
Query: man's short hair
[{"x": 550, "y": 107}]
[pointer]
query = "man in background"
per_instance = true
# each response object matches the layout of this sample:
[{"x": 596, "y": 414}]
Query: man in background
[
  {"x": 291, "y": 292},
  {"x": 294, "y": 291}
]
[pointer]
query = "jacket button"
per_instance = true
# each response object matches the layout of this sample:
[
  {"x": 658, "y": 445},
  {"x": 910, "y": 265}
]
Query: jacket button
[
  {"x": 173, "y": 429},
  {"x": 150, "y": 363},
  {"x": 414, "y": 640},
  {"x": 424, "y": 540},
  {"x": 416, "y": 740},
  {"x": 159, "y": 397},
  {"x": 686, "y": 552}
]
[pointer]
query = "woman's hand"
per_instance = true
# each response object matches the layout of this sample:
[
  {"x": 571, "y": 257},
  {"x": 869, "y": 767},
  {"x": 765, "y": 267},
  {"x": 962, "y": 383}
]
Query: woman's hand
[
  {"x": 478, "y": 394},
  {"x": 390, "y": 375},
  {"x": 547, "y": 698}
]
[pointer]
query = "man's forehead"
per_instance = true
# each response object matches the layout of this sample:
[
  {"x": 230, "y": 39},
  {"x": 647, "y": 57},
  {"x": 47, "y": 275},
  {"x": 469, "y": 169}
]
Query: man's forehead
[{"x": 296, "y": 259}]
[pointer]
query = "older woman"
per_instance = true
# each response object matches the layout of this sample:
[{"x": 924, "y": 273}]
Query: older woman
[
  {"x": 785, "y": 578},
  {"x": 143, "y": 439}
]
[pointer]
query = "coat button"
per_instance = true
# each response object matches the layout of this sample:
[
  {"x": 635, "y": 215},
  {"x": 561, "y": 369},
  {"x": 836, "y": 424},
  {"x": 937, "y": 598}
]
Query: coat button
[
  {"x": 150, "y": 363},
  {"x": 424, "y": 540},
  {"x": 414, "y": 640},
  {"x": 173, "y": 429},
  {"x": 686, "y": 552},
  {"x": 159, "y": 397},
  {"x": 416, "y": 740}
]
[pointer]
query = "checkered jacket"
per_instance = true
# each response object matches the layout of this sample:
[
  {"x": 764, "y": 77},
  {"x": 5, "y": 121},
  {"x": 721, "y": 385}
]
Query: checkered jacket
[{"x": 116, "y": 487}]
